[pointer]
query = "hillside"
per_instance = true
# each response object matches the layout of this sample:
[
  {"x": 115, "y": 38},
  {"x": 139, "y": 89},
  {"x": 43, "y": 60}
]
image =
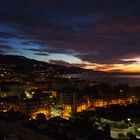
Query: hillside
[{"x": 27, "y": 64}]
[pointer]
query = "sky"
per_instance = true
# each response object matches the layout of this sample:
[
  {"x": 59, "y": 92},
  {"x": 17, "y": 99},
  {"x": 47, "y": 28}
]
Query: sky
[{"x": 93, "y": 34}]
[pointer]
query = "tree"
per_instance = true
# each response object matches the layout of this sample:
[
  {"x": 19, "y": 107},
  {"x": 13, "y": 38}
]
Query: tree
[{"x": 41, "y": 117}]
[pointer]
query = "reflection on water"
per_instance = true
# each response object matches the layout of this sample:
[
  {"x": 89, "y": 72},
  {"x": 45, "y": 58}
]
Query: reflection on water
[{"x": 132, "y": 80}]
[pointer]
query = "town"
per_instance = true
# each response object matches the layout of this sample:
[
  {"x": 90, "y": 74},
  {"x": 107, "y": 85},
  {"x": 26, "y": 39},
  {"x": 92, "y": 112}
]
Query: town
[{"x": 44, "y": 105}]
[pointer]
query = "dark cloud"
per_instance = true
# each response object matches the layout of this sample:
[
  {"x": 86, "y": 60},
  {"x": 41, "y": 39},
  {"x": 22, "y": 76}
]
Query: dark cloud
[
  {"x": 41, "y": 53},
  {"x": 107, "y": 54},
  {"x": 97, "y": 31},
  {"x": 7, "y": 35},
  {"x": 5, "y": 48},
  {"x": 44, "y": 50},
  {"x": 66, "y": 64}
]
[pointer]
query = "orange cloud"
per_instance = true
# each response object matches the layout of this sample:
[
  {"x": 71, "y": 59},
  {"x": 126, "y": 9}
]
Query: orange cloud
[{"x": 116, "y": 67}]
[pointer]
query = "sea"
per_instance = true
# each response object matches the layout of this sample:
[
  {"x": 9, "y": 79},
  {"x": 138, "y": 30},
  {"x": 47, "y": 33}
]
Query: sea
[{"x": 112, "y": 79}]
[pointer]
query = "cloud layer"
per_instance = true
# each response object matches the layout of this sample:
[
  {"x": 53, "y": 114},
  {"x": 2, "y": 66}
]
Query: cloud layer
[{"x": 100, "y": 33}]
